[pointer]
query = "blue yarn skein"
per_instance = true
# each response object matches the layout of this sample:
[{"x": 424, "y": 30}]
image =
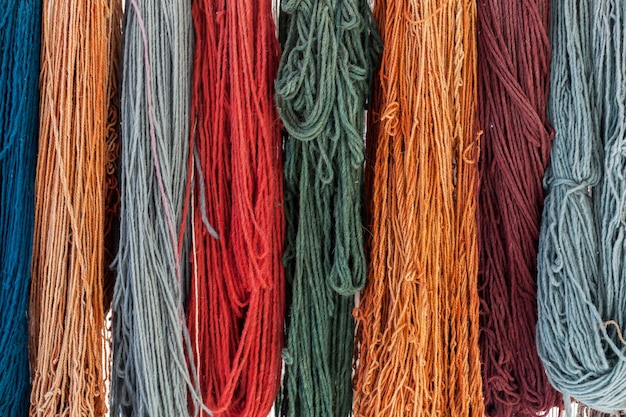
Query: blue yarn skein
[
  {"x": 20, "y": 23},
  {"x": 582, "y": 249}
]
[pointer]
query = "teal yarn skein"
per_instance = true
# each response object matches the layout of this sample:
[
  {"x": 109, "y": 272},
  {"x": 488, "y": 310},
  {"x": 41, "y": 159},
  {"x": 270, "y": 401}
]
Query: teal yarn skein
[{"x": 20, "y": 39}]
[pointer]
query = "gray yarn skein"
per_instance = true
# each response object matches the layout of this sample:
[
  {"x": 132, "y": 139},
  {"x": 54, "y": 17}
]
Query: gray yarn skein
[
  {"x": 581, "y": 263},
  {"x": 150, "y": 376}
]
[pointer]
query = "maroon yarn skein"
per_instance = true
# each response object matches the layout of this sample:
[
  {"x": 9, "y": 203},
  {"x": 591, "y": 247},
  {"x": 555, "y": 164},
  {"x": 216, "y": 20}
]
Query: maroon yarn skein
[{"x": 513, "y": 71}]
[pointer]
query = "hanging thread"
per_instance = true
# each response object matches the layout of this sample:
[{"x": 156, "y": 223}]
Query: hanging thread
[
  {"x": 513, "y": 68},
  {"x": 581, "y": 267},
  {"x": 236, "y": 307},
  {"x": 80, "y": 44},
  {"x": 417, "y": 324},
  {"x": 584, "y": 411},
  {"x": 150, "y": 339},
  {"x": 20, "y": 23},
  {"x": 322, "y": 86}
]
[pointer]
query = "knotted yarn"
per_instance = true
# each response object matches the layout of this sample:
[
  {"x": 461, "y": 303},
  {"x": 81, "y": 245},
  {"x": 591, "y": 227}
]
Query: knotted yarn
[
  {"x": 236, "y": 307},
  {"x": 513, "y": 83},
  {"x": 77, "y": 151},
  {"x": 20, "y": 23},
  {"x": 322, "y": 87},
  {"x": 581, "y": 260},
  {"x": 150, "y": 374},
  {"x": 418, "y": 321}
]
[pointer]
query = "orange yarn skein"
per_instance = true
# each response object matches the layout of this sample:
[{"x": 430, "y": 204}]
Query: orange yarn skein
[
  {"x": 417, "y": 324},
  {"x": 77, "y": 149}
]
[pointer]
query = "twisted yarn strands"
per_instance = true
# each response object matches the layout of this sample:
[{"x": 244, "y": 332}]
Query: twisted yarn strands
[
  {"x": 323, "y": 82},
  {"x": 236, "y": 308},
  {"x": 581, "y": 262},
  {"x": 79, "y": 46},
  {"x": 417, "y": 325},
  {"x": 20, "y": 23},
  {"x": 513, "y": 68},
  {"x": 584, "y": 411},
  {"x": 150, "y": 340}
]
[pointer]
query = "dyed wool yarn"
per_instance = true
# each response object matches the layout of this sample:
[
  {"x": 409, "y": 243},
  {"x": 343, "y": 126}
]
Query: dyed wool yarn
[
  {"x": 513, "y": 69},
  {"x": 150, "y": 340},
  {"x": 417, "y": 325},
  {"x": 236, "y": 307},
  {"x": 19, "y": 78},
  {"x": 581, "y": 261},
  {"x": 584, "y": 411},
  {"x": 80, "y": 44},
  {"x": 322, "y": 86}
]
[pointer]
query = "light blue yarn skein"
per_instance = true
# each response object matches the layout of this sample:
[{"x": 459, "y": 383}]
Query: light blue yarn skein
[
  {"x": 151, "y": 376},
  {"x": 582, "y": 249}
]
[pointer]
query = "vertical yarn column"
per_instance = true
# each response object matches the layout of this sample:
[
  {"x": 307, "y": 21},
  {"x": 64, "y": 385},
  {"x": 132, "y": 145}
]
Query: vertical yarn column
[
  {"x": 150, "y": 340},
  {"x": 417, "y": 324},
  {"x": 322, "y": 86},
  {"x": 236, "y": 307},
  {"x": 20, "y": 23},
  {"x": 513, "y": 68},
  {"x": 79, "y": 50},
  {"x": 582, "y": 247}
]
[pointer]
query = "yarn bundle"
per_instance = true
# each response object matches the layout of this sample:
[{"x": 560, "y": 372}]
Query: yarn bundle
[
  {"x": 513, "y": 80},
  {"x": 19, "y": 74},
  {"x": 322, "y": 86},
  {"x": 150, "y": 374},
  {"x": 196, "y": 222},
  {"x": 80, "y": 46},
  {"x": 236, "y": 304},
  {"x": 417, "y": 333},
  {"x": 581, "y": 279}
]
